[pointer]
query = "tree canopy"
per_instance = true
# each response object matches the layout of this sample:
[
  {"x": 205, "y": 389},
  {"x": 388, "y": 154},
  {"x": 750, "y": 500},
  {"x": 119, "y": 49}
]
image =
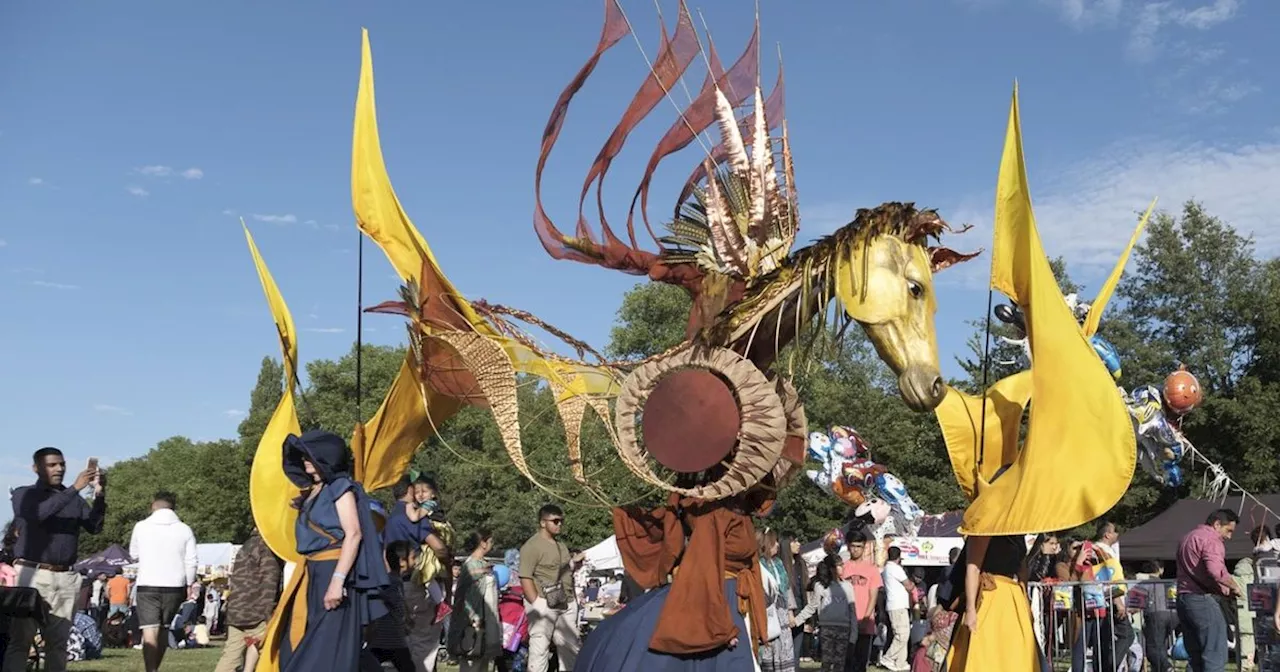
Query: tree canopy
[{"x": 1196, "y": 294}]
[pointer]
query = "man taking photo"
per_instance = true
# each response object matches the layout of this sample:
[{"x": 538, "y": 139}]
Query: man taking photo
[{"x": 48, "y": 518}]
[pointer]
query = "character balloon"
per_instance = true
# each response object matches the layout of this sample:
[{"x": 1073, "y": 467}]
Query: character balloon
[
  {"x": 849, "y": 473},
  {"x": 1182, "y": 392}
]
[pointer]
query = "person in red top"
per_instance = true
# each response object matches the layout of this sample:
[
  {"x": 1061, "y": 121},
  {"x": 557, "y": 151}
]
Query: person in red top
[
  {"x": 1202, "y": 580},
  {"x": 862, "y": 572}
]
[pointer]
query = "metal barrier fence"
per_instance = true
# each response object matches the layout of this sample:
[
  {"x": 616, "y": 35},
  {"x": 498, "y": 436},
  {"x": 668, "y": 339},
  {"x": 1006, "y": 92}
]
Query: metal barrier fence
[{"x": 1108, "y": 627}]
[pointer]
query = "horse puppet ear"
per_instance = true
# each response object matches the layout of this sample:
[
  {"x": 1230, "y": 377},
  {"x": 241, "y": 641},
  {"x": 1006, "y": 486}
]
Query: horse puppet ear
[{"x": 944, "y": 257}]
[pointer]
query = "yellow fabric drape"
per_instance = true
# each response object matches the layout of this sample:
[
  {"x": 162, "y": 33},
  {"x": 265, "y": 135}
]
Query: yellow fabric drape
[
  {"x": 1080, "y": 451},
  {"x": 269, "y": 490},
  {"x": 402, "y": 422},
  {"x": 1099, "y": 304},
  {"x": 1005, "y": 640},
  {"x": 395, "y": 431},
  {"x": 960, "y": 414}
]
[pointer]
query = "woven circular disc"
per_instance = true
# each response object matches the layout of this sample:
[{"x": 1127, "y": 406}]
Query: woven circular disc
[
  {"x": 690, "y": 421},
  {"x": 761, "y": 433},
  {"x": 791, "y": 461}
]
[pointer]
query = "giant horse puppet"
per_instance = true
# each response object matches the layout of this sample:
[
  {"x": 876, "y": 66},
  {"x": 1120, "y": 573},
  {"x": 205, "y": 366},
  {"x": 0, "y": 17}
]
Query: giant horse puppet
[
  {"x": 710, "y": 405},
  {"x": 715, "y": 416},
  {"x": 712, "y": 408}
]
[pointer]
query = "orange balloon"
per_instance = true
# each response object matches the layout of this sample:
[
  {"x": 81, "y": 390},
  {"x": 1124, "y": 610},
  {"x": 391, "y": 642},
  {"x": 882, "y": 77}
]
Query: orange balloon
[
  {"x": 1182, "y": 391},
  {"x": 850, "y": 494}
]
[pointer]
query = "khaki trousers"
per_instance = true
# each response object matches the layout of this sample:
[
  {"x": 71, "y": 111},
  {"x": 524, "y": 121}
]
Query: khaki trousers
[
  {"x": 235, "y": 649},
  {"x": 547, "y": 627},
  {"x": 59, "y": 591}
]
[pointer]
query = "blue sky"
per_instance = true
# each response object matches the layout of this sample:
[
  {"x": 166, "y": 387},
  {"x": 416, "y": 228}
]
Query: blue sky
[{"x": 131, "y": 130}]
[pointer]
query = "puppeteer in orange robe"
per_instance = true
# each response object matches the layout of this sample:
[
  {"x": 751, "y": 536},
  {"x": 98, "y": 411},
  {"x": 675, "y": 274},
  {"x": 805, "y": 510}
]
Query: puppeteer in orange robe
[{"x": 710, "y": 616}]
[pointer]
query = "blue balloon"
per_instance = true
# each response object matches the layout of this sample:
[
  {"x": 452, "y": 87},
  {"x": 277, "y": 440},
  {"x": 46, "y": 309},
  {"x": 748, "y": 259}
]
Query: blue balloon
[
  {"x": 1107, "y": 353},
  {"x": 502, "y": 574}
]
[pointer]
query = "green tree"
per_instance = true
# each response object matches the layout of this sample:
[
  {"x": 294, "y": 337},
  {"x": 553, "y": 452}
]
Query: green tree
[
  {"x": 652, "y": 318},
  {"x": 210, "y": 480},
  {"x": 263, "y": 400}
]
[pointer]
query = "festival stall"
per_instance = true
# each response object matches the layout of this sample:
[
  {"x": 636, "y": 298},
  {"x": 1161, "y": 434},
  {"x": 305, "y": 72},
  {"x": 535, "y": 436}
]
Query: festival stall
[
  {"x": 214, "y": 560},
  {"x": 110, "y": 561},
  {"x": 1158, "y": 538}
]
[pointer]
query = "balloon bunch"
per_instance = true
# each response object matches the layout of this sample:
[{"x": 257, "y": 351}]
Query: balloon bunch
[
  {"x": 1157, "y": 413},
  {"x": 1157, "y": 416},
  {"x": 849, "y": 473}
]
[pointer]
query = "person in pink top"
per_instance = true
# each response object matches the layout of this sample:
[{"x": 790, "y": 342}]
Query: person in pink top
[
  {"x": 862, "y": 572},
  {"x": 1202, "y": 581}
]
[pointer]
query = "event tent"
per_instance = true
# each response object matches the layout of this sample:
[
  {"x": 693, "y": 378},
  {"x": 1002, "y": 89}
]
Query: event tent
[
  {"x": 1158, "y": 539},
  {"x": 213, "y": 558},
  {"x": 604, "y": 555},
  {"x": 110, "y": 561}
]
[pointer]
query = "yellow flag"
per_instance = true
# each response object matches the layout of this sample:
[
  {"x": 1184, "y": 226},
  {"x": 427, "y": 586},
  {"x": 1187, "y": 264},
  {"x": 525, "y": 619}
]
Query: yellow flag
[
  {"x": 1099, "y": 304},
  {"x": 1079, "y": 454},
  {"x": 960, "y": 416},
  {"x": 405, "y": 418},
  {"x": 270, "y": 491},
  {"x": 399, "y": 427}
]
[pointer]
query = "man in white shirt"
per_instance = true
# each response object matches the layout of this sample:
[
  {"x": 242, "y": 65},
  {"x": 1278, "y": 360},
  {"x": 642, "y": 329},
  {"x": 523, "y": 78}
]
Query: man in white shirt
[
  {"x": 165, "y": 550},
  {"x": 897, "y": 594}
]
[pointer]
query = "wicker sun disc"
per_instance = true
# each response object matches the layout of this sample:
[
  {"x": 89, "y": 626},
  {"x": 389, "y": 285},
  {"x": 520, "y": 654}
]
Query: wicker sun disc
[
  {"x": 793, "y": 453},
  {"x": 762, "y": 422}
]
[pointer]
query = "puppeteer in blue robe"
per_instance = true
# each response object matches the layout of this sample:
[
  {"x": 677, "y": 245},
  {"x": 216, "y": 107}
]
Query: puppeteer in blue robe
[{"x": 316, "y": 638}]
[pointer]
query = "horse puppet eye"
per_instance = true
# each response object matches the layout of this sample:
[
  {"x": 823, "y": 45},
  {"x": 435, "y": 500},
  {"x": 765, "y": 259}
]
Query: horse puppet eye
[{"x": 916, "y": 289}]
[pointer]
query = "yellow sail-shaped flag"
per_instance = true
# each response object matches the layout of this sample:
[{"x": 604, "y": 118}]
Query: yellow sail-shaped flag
[
  {"x": 389, "y": 444},
  {"x": 1079, "y": 454},
  {"x": 270, "y": 491},
  {"x": 961, "y": 415},
  {"x": 1099, "y": 304}
]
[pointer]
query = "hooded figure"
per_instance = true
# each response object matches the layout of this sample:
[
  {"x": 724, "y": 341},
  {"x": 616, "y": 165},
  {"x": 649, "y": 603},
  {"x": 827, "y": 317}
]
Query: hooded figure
[{"x": 334, "y": 594}]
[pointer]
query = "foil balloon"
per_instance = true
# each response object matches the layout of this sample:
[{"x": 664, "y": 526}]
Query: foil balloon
[
  {"x": 833, "y": 541},
  {"x": 1160, "y": 444},
  {"x": 822, "y": 448},
  {"x": 907, "y": 516},
  {"x": 819, "y": 446},
  {"x": 1182, "y": 392},
  {"x": 1107, "y": 353},
  {"x": 849, "y": 443},
  {"x": 502, "y": 576},
  {"x": 874, "y": 510}
]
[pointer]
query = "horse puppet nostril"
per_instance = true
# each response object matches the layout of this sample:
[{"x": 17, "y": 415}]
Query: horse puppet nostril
[{"x": 938, "y": 388}]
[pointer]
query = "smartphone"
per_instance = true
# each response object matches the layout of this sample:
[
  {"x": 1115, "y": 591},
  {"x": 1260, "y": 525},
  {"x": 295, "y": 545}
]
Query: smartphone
[{"x": 93, "y": 463}]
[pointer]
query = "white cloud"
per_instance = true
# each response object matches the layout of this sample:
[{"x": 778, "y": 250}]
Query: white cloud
[
  {"x": 36, "y": 181},
  {"x": 1088, "y": 12},
  {"x": 154, "y": 171},
  {"x": 277, "y": 219},
  {"x": 1153, "y": 17},
  {"x": 137, "y": 191},
  {"x": 192, "y": 173},
  {"x": 53, "y": 285},
  {"x": 310, "y": 222},
  {"x": 229, "y": 212},
  {"x": 114, "y": 410},
  {"x": 1086, "y": 211},
  {"x": 233, "y": 413},
  {"x": 325, "y": 330},
  {"x": 4, "y": 243}
]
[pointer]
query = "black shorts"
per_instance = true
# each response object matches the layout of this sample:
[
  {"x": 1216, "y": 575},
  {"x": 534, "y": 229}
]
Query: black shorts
[{"x": 157, "y": 606}]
